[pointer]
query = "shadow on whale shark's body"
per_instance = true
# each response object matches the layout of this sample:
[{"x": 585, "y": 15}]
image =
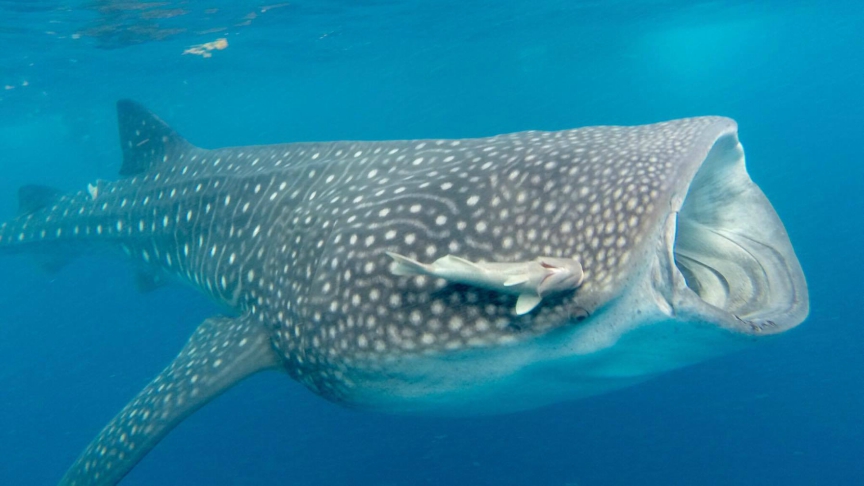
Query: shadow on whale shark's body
[{"x": 674, "y": 256}]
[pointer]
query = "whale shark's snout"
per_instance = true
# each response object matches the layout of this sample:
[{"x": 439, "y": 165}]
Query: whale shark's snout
[
  {"x": 684, "y": 259},
  {"x": 729, "y": 258}
]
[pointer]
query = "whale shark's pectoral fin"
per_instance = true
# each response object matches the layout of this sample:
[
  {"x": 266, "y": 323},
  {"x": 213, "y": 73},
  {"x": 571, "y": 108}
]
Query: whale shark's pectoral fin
[
  {"x": 222, "y": 352},
  {"x": 526, "y": 303}
]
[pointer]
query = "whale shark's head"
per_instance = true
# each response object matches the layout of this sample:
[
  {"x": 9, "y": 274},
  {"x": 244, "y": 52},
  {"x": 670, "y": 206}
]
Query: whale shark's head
[
  {"x": 716, "y": 253},
  {"x": 684, "y": 258}
]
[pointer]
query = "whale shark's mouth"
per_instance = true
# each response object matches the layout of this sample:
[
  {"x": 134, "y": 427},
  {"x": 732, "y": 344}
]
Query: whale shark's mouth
[{"x": 732, "y": 249}]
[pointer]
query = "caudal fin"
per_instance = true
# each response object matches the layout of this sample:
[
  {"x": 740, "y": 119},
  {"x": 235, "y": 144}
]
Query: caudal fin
[{"x": 32, "y": 198}]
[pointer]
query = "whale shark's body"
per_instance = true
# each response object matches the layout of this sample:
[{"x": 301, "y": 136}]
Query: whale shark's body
[{"x": 683, "y": 259}]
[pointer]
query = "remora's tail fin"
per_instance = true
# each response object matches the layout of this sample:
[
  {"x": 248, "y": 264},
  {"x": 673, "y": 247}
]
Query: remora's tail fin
[
  {"x": 145, "y": 139},
  {"x": 222, "y": 352},
  {"x": 406, "y": 267}
]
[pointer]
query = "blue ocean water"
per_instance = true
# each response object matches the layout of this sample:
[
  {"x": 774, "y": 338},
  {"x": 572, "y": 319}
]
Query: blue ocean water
[{"x": 75, "y": 346}]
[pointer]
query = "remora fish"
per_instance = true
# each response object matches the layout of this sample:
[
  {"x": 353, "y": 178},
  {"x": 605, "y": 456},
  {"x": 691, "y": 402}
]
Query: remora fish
[
  {"x": 683, "y": 256},
  {"x": 531, "y": 281}
]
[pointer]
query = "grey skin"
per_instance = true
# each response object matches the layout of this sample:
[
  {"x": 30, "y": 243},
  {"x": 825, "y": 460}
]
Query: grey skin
[{"x": 683, "y": 258}]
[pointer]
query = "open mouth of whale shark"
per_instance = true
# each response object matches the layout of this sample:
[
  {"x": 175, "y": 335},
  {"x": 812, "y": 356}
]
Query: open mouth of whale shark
[
  {"x": 721, "y": 272},
  {"x": 731, "y": 248}
]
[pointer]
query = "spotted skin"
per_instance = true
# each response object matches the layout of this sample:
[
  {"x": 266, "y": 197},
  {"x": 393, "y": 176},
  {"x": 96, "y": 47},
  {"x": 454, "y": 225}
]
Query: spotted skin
[
  {"x": 295, "y": 238},
  {"x": 221, "y": 352}
]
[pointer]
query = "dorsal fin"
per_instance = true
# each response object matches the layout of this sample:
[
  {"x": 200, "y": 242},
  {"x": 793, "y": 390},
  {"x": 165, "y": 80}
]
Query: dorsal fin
[
  {"x": 32, "y": 198},
  {"x": 145, "y": 139}
]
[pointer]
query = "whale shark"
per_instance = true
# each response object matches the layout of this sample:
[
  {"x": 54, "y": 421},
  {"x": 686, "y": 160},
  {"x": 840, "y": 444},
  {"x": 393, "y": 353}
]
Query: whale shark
[{"x": 660, "y": 249}]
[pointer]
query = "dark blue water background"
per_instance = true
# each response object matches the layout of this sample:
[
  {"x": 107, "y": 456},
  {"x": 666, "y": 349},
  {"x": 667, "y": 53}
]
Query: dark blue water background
[{"x": 75, "y": 346}]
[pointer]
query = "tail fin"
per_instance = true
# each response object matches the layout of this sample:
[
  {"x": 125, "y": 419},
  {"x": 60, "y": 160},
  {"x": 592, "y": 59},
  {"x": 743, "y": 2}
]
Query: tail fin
[
  {"x": 145, "y": 139},
  {"x": 32, "y": 198},
  {"x": 406, "y": 267}
]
